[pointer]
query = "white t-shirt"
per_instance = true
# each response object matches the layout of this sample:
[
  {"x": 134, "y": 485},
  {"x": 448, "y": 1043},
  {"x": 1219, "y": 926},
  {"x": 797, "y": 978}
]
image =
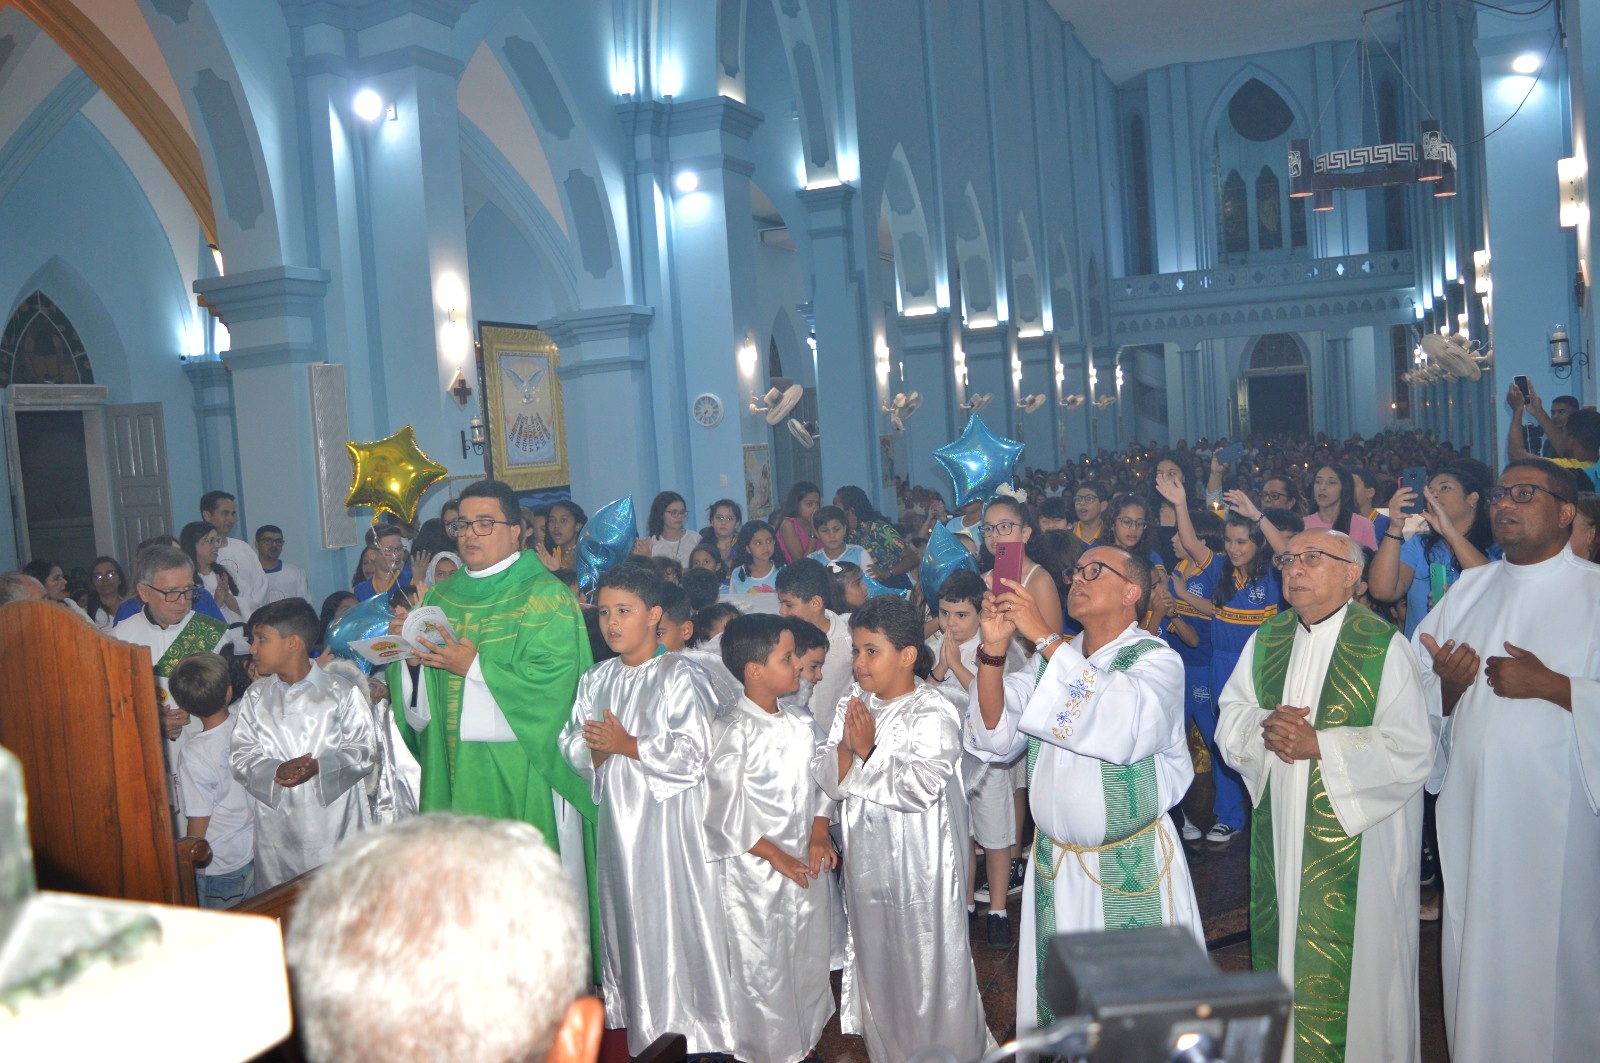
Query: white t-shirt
[
  {"x": 209, "y": 789},
  {"x": 679, "y": 551}
]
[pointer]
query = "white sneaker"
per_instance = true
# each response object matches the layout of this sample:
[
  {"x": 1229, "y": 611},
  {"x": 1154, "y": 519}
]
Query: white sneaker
[{"x": 1190, "y": 832}]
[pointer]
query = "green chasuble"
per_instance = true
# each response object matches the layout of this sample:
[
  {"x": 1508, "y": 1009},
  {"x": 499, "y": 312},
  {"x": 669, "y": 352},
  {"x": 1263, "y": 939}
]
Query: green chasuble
[
  {"x": 1331, "y": 859},
  {"x": 532, "y": 648}
]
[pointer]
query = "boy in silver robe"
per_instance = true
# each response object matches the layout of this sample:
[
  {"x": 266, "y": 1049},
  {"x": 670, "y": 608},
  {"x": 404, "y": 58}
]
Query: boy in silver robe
[
  {"x": 767, "y": 823},
  {"x": 640, "y": 732}
]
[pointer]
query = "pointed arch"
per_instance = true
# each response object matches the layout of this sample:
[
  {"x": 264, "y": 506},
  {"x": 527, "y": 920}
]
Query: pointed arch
[
  {"x": 973, "y": 251},
  {"x": 1217, "y": 112},
  {"x": 916, "y": 281},
  {"x": 40, "y": 345},
  {"x": 1269, "y": 211},
  {"x": 1027, "y": 299},
  {"x": 88, "y": 46}
]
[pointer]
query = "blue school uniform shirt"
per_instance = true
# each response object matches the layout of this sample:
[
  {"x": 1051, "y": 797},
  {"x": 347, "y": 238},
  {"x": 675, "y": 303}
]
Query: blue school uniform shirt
[
  {"x": 1420, "y": 594},
  {"x": 1247, "y": 608},
  {"x": 852, "y": 553},
  {"x": 1202, "y": 583}
]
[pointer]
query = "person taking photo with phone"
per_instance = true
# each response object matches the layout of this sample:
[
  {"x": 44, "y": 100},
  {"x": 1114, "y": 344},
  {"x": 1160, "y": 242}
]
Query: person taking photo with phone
[{"x": 1456, "y": 537}]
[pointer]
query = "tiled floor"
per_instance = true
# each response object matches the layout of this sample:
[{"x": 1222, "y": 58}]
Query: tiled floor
[{"x": 1222, "y": 884}]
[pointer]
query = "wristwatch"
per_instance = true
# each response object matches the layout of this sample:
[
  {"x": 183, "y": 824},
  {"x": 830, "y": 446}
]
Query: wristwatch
[{"x": 1040, "y": 645}]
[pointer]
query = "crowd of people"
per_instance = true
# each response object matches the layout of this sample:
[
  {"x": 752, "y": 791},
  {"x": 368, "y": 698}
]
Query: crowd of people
[{"x": 763, "y": 751}]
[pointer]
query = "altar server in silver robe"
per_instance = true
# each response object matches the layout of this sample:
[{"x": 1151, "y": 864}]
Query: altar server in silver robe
[
  {"x": 640, "y": 732},
  {"x": 303, "y": 742},
  {"x": 891, "y": 758},
  {"x": 767, "y": 823}
]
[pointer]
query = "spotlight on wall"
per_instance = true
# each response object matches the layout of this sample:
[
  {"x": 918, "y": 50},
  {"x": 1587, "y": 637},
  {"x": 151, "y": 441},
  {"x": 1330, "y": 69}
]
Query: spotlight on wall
[
  {"x": 1527, "y": 63},
  {"x": 370, "y": 107},
  {"x": 686, "y": 181}
]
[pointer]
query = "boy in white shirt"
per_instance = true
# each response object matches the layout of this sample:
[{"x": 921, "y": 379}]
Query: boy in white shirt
[
  {"x": 988, "y": 784},
  {"x": 803, "y": 594},
  {"x": 222, "y": 822}
]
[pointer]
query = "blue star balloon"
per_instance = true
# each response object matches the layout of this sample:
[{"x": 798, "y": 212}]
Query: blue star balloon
[
  {"x": 978, "y": 462},
  {"x": 945, "y": 555},
  {"x": 367, "y": 620},
  {"x": 606, "y": 540},
  {"x": 874, "y": 588}
]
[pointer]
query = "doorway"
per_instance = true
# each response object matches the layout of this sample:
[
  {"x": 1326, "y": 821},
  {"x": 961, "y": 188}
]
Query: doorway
[
  {"x": 1278, "y": 404},
  {"x": 57, "y": 522}
]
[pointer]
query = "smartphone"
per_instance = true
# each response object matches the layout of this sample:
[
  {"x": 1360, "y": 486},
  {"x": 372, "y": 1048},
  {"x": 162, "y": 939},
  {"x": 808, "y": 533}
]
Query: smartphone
[
  {"x": 1415, "y": 477},
  {"x": 1230, "y": 453},
  {"x": 1007, "y": 565},
  {"x": 1522, "y": 385}
]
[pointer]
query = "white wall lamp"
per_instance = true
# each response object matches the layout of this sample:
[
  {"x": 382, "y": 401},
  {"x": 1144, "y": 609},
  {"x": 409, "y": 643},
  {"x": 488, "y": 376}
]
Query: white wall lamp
[
  {"x": 1572, "y": 174},
  {"x": 370, "y": 107}
]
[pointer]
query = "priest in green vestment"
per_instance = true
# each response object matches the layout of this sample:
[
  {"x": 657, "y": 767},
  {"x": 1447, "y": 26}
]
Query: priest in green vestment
[
  {"x": 484, "y": 712},
  {"x": 1324, "y": 718}
]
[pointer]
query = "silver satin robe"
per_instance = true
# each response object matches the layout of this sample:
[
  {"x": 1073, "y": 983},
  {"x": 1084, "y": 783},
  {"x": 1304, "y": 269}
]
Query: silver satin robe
[
  {"x": 909, "y": 983},
  {"x": 664, "y": 947},
  {"x": 778, "y": 933},
  {"x": 298, "y": 827}
]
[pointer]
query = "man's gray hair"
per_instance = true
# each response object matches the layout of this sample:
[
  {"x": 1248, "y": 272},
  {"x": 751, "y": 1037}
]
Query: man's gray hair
[
  {"x": 440, "y": 937},
  {"x": 19, "y": 587},
  {"x": 154, "y": 559},
  {"x": 1353, "y": 550}
]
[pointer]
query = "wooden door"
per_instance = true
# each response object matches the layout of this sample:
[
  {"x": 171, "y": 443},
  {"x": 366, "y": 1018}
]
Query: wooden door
[{"x": 136, "y": 456}]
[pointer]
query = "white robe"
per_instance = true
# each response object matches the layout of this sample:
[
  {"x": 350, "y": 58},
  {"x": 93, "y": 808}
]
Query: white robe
[
  {"x": 909, "y": 981},
  {"x": 664, "y": 952},
  {"x": 837, "y": 673},
  {"x": 1519, "y": 819},
  {"x": 779, "y": 937},
  {"x": 140, "y": 630},
  {"x": 1373, "y": 776},
  {"x": 1114, "y": 718},
  {"x": 245, "y": 564},
  {"x": 328, "y": 716}
]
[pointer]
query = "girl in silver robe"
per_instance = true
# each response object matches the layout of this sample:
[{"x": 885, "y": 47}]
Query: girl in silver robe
[
  {"x": 909, "y": 983},
  {"x": 664, "y": 950}
]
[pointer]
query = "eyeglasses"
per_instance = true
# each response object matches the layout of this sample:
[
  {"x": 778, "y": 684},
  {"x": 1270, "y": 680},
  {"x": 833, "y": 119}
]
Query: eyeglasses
[
  {"x": 176, "y": 594},
  {"x": 1133, "y": 522},
  {"x": 675, "y": 512},
  {"x": 105, "y": 575},
  {"x": 210, "y": 540},
  {"x": 1085, "y": 500},
  {"x": 1091, "y": 572},
  {"x": 1311, "y": 558},
  {"x": 1273, "y": 494},
  {"x": 480, "y": 527},
  {"x": 1521, "y": 494},
  {"x": 270, "y": 540},
  {"x": 1002, "y": 527},
  {"x": 723, "y": 518}
]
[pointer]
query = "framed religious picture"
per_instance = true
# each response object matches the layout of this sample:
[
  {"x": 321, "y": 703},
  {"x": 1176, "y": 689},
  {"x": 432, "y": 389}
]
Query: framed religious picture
[
  {"x": 757, "y": 481},
  {"x": 522, "y": 392}
]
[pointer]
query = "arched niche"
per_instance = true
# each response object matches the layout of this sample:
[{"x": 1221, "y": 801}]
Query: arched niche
[
  {"x": 40, "y": 345},
  {"x": 910, "y": 243}
]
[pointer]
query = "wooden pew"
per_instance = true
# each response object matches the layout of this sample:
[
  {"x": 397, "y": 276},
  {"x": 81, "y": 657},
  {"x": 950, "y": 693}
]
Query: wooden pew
[{"x": 78, "y": 708}]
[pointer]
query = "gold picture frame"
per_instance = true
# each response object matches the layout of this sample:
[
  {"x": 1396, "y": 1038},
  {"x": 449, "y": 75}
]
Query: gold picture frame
[{"x": 526, "y": 422}]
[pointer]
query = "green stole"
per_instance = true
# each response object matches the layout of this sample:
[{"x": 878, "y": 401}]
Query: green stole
[
  {"x": 200, "y": 634},
  {"x": 532, "y": 649},
  {"x": 1129, "y": 893},
  {"x": 1325, "y": 935}
]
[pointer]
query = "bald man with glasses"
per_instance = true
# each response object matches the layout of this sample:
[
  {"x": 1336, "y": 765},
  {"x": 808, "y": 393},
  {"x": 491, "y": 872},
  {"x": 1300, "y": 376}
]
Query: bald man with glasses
[
  {"x": 1100, "y": 717},
  {"x": 1511, "y": 666},
  {"x": 1325, "y": 720}
]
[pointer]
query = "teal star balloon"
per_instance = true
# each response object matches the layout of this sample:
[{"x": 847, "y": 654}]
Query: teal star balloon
[
  {"x": 944, "y": 556},
  {"x": 606, "y": 540},
  {"x": 978, "y": 462}
]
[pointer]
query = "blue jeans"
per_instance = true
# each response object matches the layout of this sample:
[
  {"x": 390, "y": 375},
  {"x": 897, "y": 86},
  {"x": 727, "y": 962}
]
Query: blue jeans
[{"x": 225, "y": 891}]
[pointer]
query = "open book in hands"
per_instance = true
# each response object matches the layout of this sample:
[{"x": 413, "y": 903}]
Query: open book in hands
[{"x": 427, "y": 622}]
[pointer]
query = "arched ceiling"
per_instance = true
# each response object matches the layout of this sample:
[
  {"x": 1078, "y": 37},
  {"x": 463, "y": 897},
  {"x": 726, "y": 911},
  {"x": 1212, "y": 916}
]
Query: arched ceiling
[{"x": 1124, "y": 36}]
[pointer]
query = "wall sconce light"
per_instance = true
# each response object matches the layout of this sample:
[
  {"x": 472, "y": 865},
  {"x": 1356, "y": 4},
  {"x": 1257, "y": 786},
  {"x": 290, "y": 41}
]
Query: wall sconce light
[
  {"x": 370, "y": 107},
  {"x": 1572, "y": 175},
  {"x": 477, "y": 441},
  {"x": 686, "y": 181},
  {"x": 1482, "y": 277},
  {"x": 1560, "y": 348},
  {"x": 748, "y": 355}
]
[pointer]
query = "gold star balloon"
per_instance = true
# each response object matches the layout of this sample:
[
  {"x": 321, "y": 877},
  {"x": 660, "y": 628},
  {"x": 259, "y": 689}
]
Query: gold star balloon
[{"x": 392, "y": 474}]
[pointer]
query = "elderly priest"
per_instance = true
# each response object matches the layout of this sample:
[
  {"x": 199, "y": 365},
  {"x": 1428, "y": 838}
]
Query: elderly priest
[{"x": 1324, "y": 718}]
